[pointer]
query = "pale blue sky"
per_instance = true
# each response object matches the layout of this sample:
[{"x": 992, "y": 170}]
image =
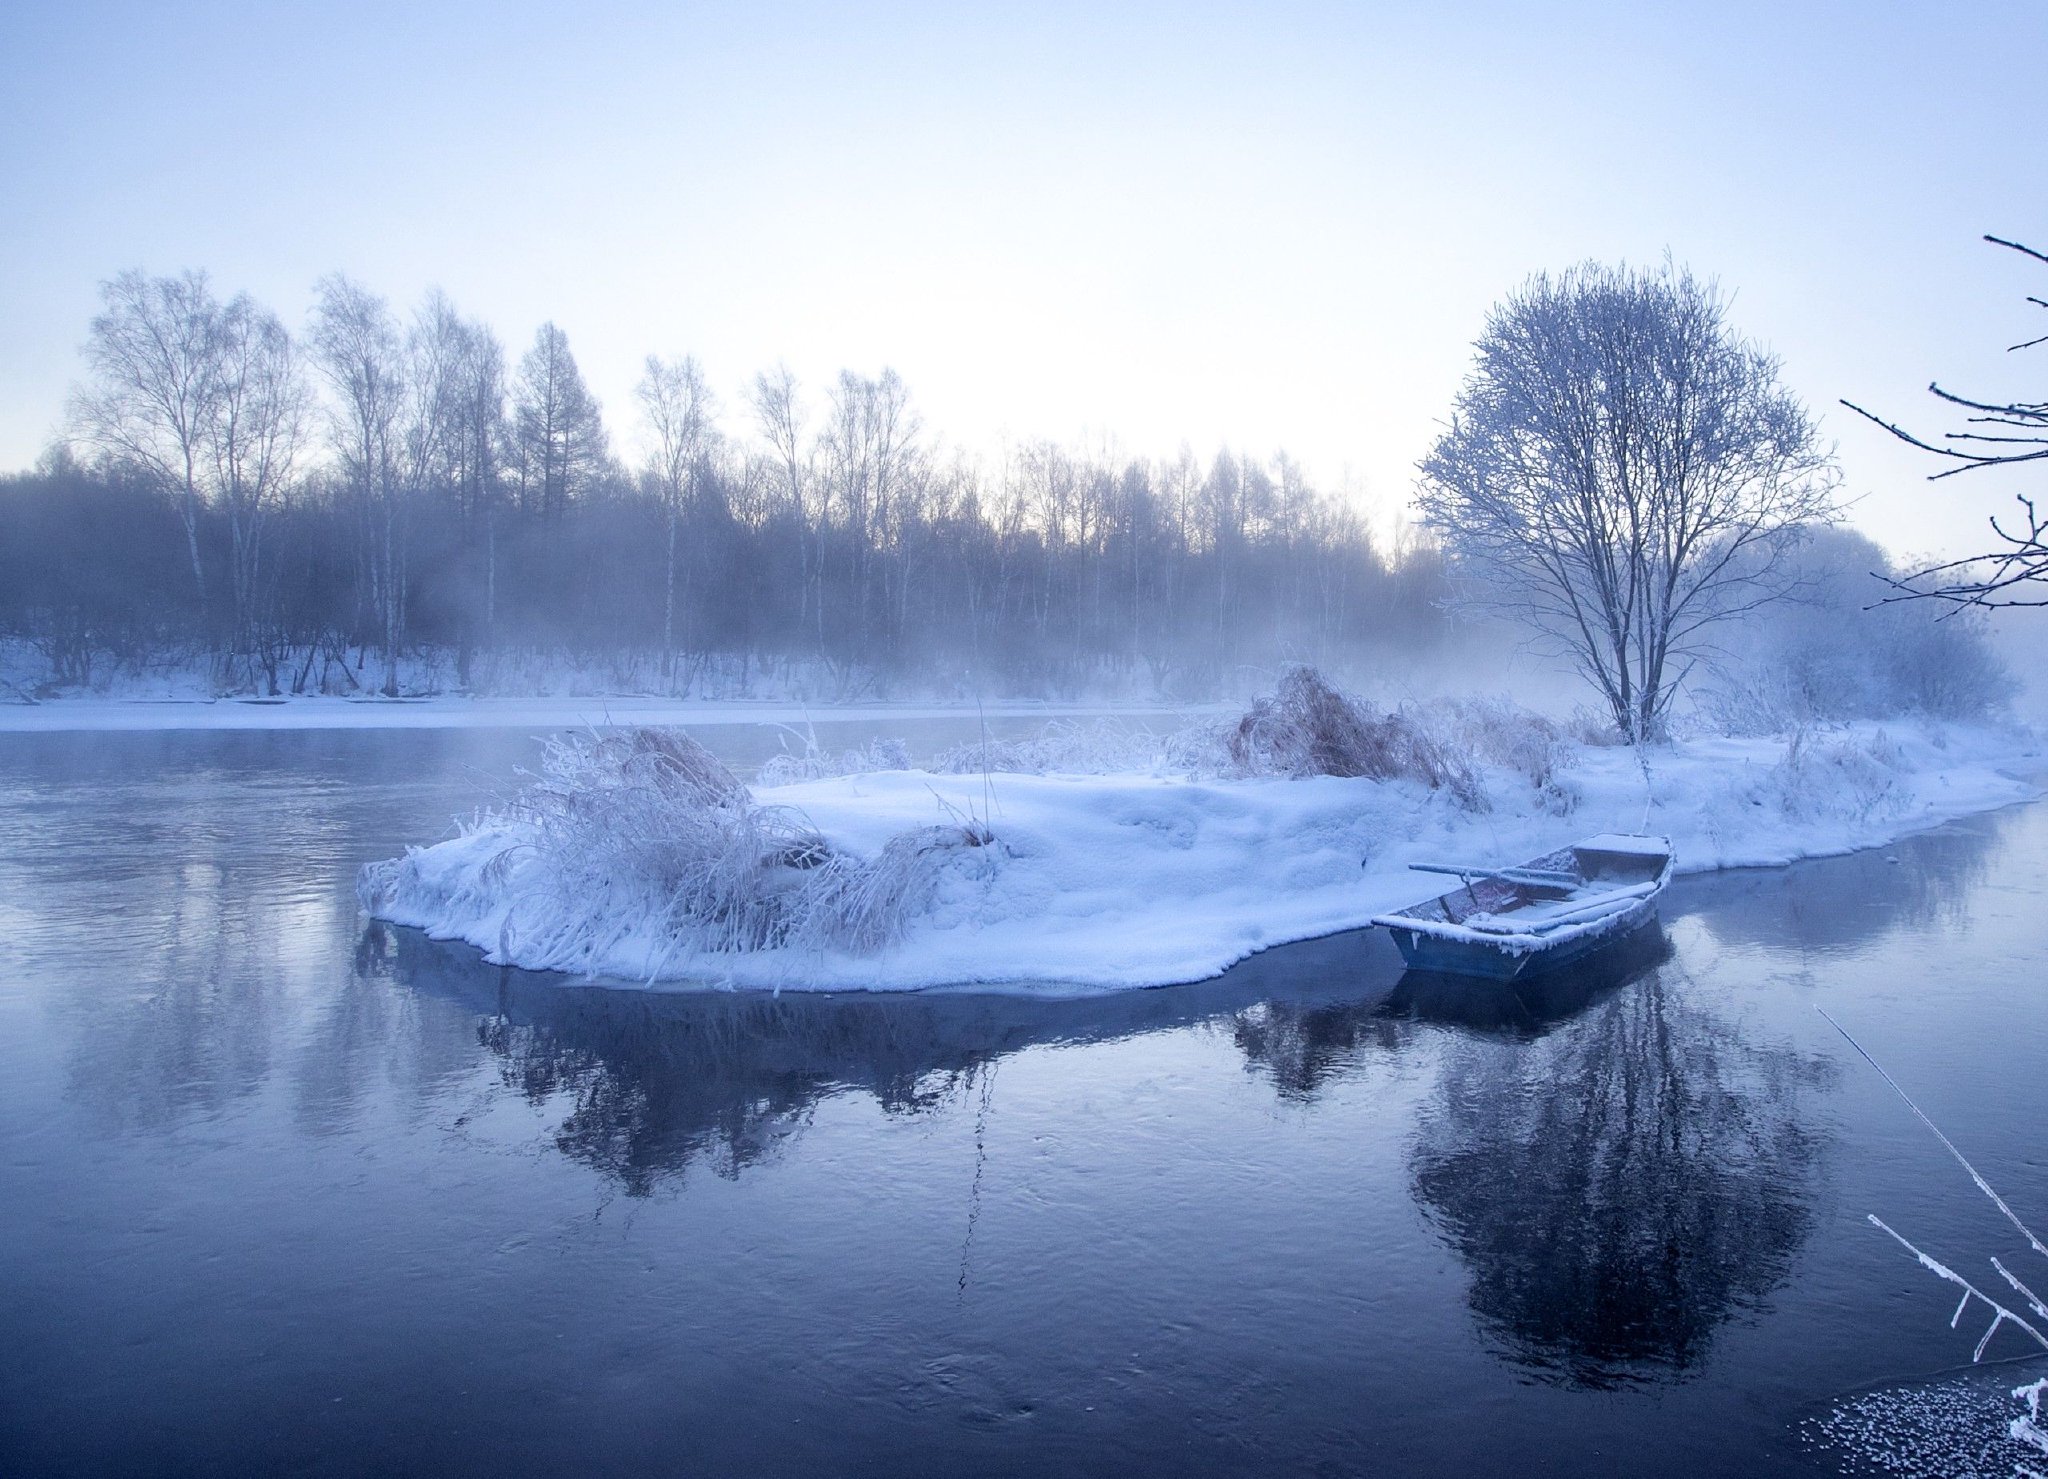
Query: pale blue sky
[{"x": 1267, "y": 226}]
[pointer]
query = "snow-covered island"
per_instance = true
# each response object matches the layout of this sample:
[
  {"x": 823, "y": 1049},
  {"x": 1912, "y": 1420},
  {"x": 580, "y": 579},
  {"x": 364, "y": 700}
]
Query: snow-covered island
[{"x": 1107, "y": 857}]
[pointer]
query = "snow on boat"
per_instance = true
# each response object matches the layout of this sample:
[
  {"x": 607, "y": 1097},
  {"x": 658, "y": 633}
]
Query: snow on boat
[{"x": 1502, "y": 923}]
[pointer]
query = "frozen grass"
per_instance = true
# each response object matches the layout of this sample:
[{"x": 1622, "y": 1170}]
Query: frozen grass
[
  {"x": 1495, "y": 732},
  {"x": 1851, "y": 775},
  {"x": 1064, "y": 747},
  {"x": 813, "y": 763},
  {"x": 647, "y": 833}
]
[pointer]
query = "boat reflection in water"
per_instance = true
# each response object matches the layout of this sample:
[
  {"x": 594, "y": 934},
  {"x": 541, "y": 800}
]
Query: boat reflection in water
[
  {"x": 1619, "y": 1168},
  {"x": 1533, "y": 1004}
]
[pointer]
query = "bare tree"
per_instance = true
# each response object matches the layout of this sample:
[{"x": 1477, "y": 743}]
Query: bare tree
[
  {"x": 152, "y": 354},
  {"x": 357, "y": 346},
  {"x": 870, "y": 442},
  {"x": 253, "y": 440},
  {"x": 678, "y": 406},
  {"x": 204, "y": 400},
  {"x": 1622, "y": 472},
  {"x": 478, "y": 463},
  {"x": 2014, "y": 572},
  {"x": 779, "y": 412}
]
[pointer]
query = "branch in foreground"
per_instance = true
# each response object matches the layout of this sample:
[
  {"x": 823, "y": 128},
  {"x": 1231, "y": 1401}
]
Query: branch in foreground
[{"x": 1999, "y": 1313}]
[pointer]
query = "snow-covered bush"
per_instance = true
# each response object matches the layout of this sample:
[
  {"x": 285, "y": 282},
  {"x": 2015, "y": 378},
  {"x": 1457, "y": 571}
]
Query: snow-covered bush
[
  {"x": 1307, "y": 727},
  {"x": 1834, "y": 654},
  {"x": 647, "y": 829},
  {"x": 1847, "y": 776},
  {"x": 1495, "y": 731}
]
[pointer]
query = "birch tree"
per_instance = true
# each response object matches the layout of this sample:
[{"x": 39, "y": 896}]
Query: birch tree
[
  {"x": 779, "y": 414},
  {"x": 253, "y": 440},
  {"x": 154, "y": 387},
  {"x": 207, "y": 402},
  {"x": 357, "y": 346},
  {"x": 1623, "y": 472},
  {"x": 678, "y": 407}
]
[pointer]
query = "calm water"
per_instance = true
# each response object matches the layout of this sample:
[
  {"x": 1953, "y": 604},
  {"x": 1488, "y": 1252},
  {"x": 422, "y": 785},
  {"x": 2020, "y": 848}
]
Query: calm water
[{"x": 282, "y": 1192}]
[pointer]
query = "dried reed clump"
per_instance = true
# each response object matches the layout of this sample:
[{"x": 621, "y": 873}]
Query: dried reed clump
[
  {"x": 647, "y": 829},
  {"x": 1306, "y": 727}
]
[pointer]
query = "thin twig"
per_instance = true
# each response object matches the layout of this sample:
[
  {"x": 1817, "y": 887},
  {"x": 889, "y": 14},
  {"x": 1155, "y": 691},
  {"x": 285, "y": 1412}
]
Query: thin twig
[{"x": 1982, "y": 1185}]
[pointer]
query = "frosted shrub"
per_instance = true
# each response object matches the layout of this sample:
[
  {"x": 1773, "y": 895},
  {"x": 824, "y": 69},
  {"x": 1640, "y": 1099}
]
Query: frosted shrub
[
  {"x": 815, "y": 764},
  {"x": 1596, "y": 730},
  {"x": 1495, "y": 731},
  {"x": 648, "y": 830},
  {"x": 1838, "y": 652},
  {"x": 1306, "y": 727},
  {"x": 1842, "y": 777},
  {"x": 1755, "y": 701}
]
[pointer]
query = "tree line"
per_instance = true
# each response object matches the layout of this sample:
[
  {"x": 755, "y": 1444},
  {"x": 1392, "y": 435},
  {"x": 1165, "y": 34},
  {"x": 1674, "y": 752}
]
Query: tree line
[{"x": 310, "y": 511}]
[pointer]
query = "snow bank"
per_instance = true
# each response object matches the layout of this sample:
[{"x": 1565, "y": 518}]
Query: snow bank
[{"x": 1097, "y": 882}]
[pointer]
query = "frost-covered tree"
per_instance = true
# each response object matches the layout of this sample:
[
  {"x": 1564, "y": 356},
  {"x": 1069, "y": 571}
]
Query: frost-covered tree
[
  {"x": 1622, "y": 472},
  {"x": 2014, "y": 572},
  {"x": 779, "y": 415},
  {"x": 253, "y": 443}
]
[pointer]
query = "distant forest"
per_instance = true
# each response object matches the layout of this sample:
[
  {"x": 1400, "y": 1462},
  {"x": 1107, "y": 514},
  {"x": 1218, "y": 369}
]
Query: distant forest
[{"x": 320, "y": 512}]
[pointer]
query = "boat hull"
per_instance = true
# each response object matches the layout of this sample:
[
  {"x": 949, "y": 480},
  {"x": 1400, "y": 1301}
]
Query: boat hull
[
  {"x": 1424, "y": 951},
  {"x": 1504, "y": 924}
]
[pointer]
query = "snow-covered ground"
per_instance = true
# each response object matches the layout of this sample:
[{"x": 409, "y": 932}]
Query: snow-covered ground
[{"x": 1095, "y": 882}]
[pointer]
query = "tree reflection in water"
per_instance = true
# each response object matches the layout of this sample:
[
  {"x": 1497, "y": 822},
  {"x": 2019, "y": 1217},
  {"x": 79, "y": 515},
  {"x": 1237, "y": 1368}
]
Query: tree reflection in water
[
  {"x": 1620, "y": 1170},
  {"x": 657, "y": 1082},
  {"x": 1620, "y": 1183}
]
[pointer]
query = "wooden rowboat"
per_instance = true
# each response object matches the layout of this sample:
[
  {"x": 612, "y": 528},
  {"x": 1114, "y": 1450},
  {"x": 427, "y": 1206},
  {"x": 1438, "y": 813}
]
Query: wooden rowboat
[{"x": 1502, "y": 923}]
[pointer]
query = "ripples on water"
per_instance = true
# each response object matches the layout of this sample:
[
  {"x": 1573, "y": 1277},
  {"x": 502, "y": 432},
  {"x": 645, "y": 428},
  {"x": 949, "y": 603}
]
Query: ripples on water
[{"x": 283, "y": 1190}]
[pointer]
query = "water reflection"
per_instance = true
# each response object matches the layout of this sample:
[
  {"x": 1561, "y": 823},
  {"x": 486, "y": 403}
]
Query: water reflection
[
  {"x": 1532, "y": 1005},
  {"x": 1620, "y": 1185},
  {"x": 1852, "y": 902},
  {"x": 657, "y": 1082}
]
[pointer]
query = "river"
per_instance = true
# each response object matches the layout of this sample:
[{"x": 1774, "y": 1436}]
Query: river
[{"x": 283, "y": 1191}]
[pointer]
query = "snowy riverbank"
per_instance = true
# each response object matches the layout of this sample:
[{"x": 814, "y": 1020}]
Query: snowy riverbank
[
  {"x": 1090, "y": 882},
  {"x": 454, "y": 711}
]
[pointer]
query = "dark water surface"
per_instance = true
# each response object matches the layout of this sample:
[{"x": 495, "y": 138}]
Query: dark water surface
[{"x": 282, "y": 1192}]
